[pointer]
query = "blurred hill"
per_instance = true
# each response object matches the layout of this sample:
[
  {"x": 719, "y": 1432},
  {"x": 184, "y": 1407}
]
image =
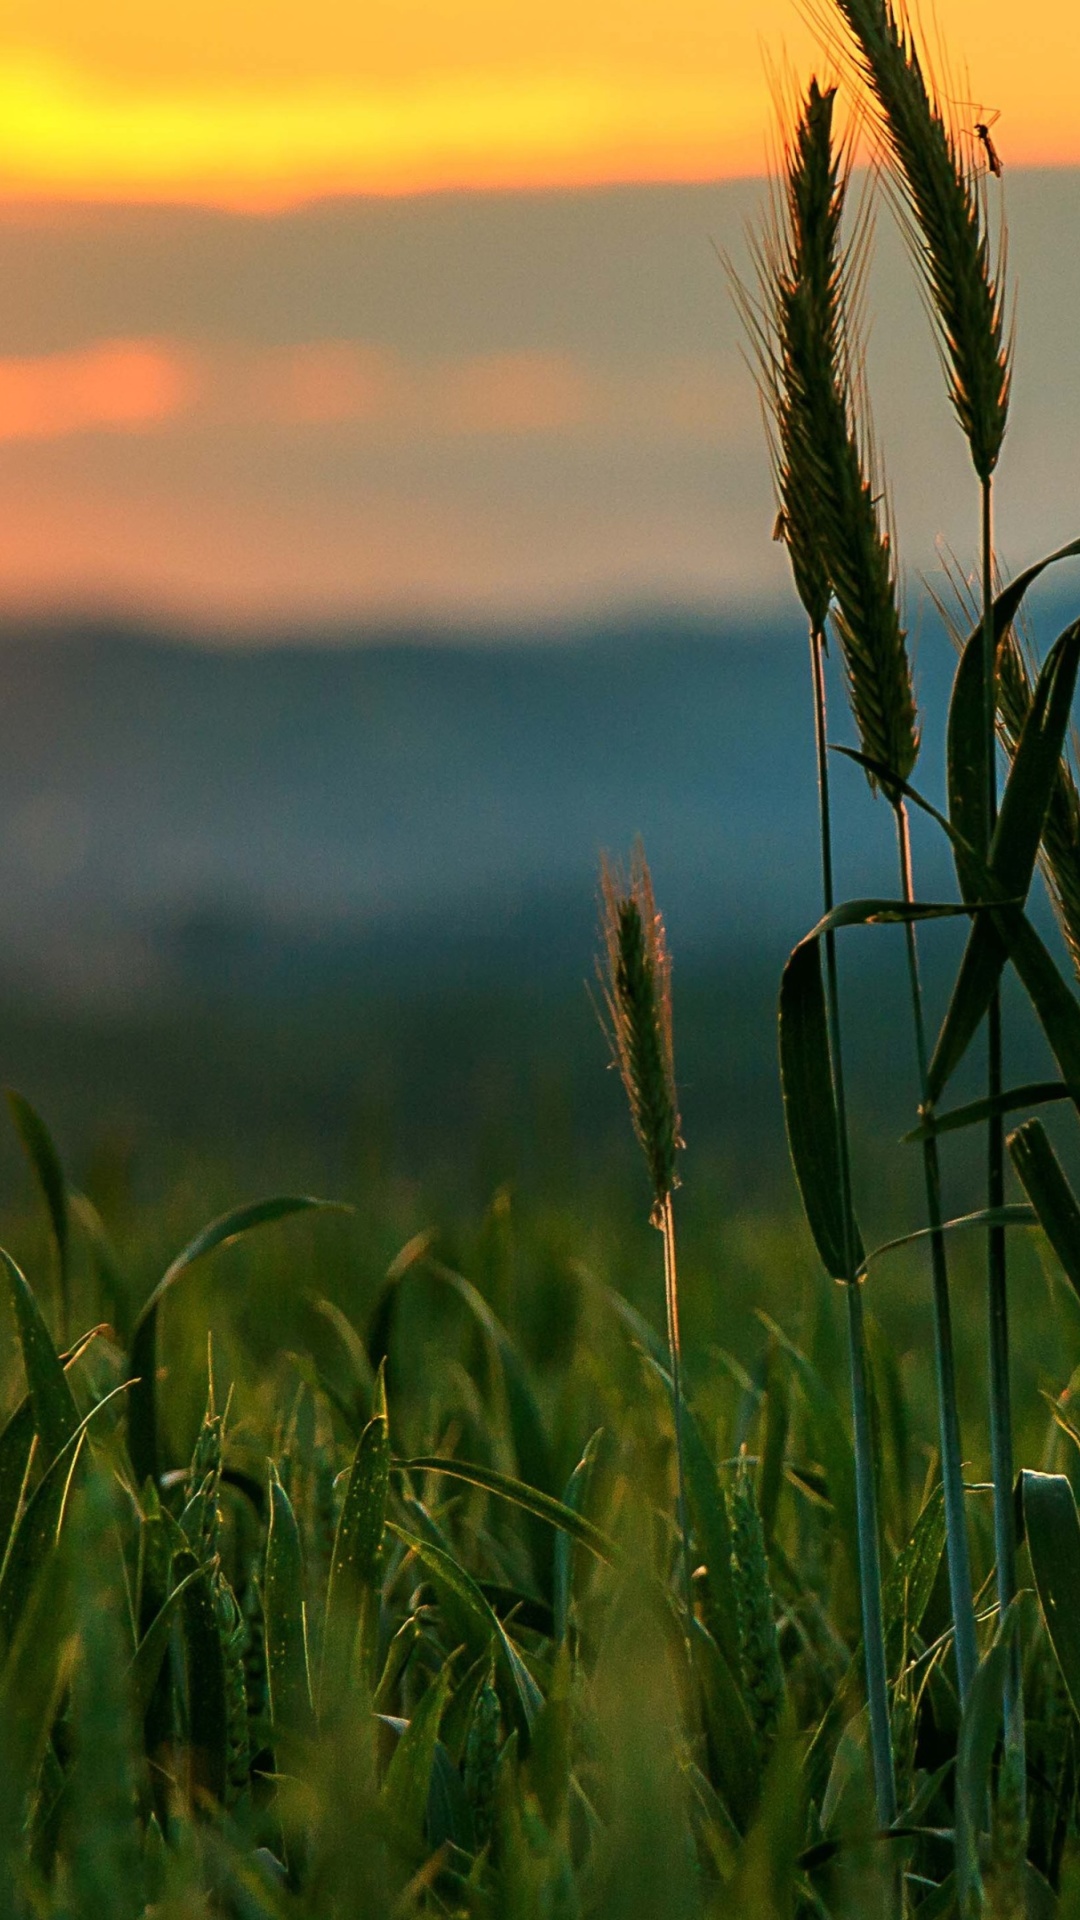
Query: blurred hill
[{"x": 288, "y": 899}]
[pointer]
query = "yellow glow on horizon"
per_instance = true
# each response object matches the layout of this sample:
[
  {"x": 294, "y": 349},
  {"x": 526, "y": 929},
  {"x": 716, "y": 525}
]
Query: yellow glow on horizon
[
  {"x": 60, "y": 137},
  {"x": 264, "y": 104}
]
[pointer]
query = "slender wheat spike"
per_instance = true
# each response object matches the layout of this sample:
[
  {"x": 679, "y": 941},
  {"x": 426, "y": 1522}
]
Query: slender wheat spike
[
  {"x": 635, "y": 974},
  {"x": 949, "y": 231},
  {"x": 763, "y": 1673},
  {"x": 840, "y": 550}
]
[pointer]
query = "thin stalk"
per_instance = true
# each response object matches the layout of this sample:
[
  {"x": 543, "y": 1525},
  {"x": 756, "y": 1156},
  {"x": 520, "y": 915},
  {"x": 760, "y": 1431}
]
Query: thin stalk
[
  {"x": 671, "y": 1297},
  {"x": 959, "y": 1558},
  {"x": 873, "y": 1626},
  {"x": 1001, "y": 1447}
]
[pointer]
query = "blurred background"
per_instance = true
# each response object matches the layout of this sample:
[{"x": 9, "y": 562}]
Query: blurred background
[{"x": 385, "y": 529}]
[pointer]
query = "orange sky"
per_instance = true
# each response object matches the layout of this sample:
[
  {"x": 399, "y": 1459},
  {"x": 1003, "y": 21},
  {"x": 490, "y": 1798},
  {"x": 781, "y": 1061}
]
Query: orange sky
[{"x": 263, "y": 102}]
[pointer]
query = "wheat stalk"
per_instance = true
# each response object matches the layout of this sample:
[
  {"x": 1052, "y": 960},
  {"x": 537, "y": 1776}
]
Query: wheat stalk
[
  {"x": 635, "y": 977},
  {"x": 800, "y": 328}
]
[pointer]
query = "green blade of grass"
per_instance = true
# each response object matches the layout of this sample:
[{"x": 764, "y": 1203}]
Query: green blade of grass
[
  {"x": 479, "y": 1624},
  {"x": 142, "y": 1410},
  {"x": 834, "y": 1447},
  {"x": 1050, "y": 1194},
  {"x": 291, "y": 1712},
  {"x": 1013, "y": 851},
  {"x": 56, "y": 1416},
  {"x": 208, "y": 1714},
  {"x": 350, "y": 1633},
  {"x": 974, "y": 1752},
  {"x": 16, "y": 1448},
  {"x": 1037, "y": 1093},
  {"x": 1053, "y": 1537},
  {"x": 810, "y": 1109},
  {"x": 531, "y": 1447},
  {"x": 34, "y": 1675},
  {"x": 529, "y": 1499},
  {"x": 151, "y": 1650},
  {"x": 734, "y": 1749},
  {"x": 1015, "y": 1214},
  {"x": 967, "y": 741},
  {"x": 40, "y": 1149},
  {"x": 39, "y": 1524},
  {"x": 575, "y": 1494},
  {"x": 404, "y": 1794},
  {"x": 911, "y": 1578}
]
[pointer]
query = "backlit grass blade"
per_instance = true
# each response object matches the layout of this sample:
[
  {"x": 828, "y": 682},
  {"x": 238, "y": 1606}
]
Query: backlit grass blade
[
  {"x": 1053, "y": 1537},
  {"x": 979, "y": 1730},
  {"x": 712, "y": 1530},
  {"x": 1038, "y": 1093},
  {"x": 34, "y": 1674},
  {"x": 350, "y": 1635},
  {"x": 207, "y": 1704},
  {"x": 142, "y": 1408},
  {"x": 911, "y": 1577},
  {"x": 529, "y": 1499},
  {"x": 16, "y": 1447},
  {"x": 40, "y": 1149},
  {"x": 478, "y": 1624},
  {"x": 575, "y": 1495},
  {"x": 832, "y": 1445},
  {"x": 291, "y": 1711},
  {"x": 56, "y": 1416},
  {"x": 1013, "y": 851},
  {"x": 39, "y": 1524},
  {"x": 35, "y": 1537},
  {"x": 733, "y": 1746},
  {"x": 967, "y": 740},
  {"x": 1050, "y": 1194},
  {"x": 1015, "y": 1214},
  {"x": 153, "y": 1646},
  {"x": 810, "y": 1108},
  {"x": 405, "y": 1789}
]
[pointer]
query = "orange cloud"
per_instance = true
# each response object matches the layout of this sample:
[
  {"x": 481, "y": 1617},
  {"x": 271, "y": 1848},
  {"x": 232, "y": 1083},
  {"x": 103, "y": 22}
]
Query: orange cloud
[
  {"x": 141, "y": 386},
  {"x": 121, "y": 386}
]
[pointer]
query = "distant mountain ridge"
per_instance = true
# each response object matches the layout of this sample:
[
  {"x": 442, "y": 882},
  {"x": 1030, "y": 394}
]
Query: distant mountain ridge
[{"x": 383, "y": 799}]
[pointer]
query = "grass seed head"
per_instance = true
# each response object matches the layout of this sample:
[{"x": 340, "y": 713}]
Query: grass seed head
[
  {"x": 947, "y": 224},
  {"x": 635, "y": 975},
  {"x": 763, "y": 1673},
  {"x": 806, "y": 268},
  {"x": 840, "y": 548}
]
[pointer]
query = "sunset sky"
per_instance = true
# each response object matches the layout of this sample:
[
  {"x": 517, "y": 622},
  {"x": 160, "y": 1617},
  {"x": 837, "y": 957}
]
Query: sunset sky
[
  {"x": 264, "y": 101},
  {"x": 322, "y": 311}
]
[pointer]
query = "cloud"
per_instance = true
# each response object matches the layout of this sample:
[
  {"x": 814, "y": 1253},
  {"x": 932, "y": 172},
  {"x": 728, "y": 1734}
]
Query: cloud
[
  {"x": 142, "y": 386},
  {"x": 118, "y": 386}
]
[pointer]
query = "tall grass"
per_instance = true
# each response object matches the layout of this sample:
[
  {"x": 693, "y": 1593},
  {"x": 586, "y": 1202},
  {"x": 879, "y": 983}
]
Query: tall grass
[{"x": 391, "y": 1605}]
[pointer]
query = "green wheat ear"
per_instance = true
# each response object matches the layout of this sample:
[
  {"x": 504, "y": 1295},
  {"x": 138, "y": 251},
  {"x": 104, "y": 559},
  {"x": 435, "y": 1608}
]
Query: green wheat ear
[
  {"x": 947, "y": 225},
  {"x": 635, "y": 974},
  {"x": 802, "y": 328}
]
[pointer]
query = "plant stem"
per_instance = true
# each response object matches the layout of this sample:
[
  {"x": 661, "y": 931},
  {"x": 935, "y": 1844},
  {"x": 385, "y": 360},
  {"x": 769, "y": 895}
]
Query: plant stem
[
  {"x": 877, "y": 1689},
  {"x": 671, "y": 1297},
  {"x": 959, "y": 1558},
  {"x": 1001, "y": 1448}
]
